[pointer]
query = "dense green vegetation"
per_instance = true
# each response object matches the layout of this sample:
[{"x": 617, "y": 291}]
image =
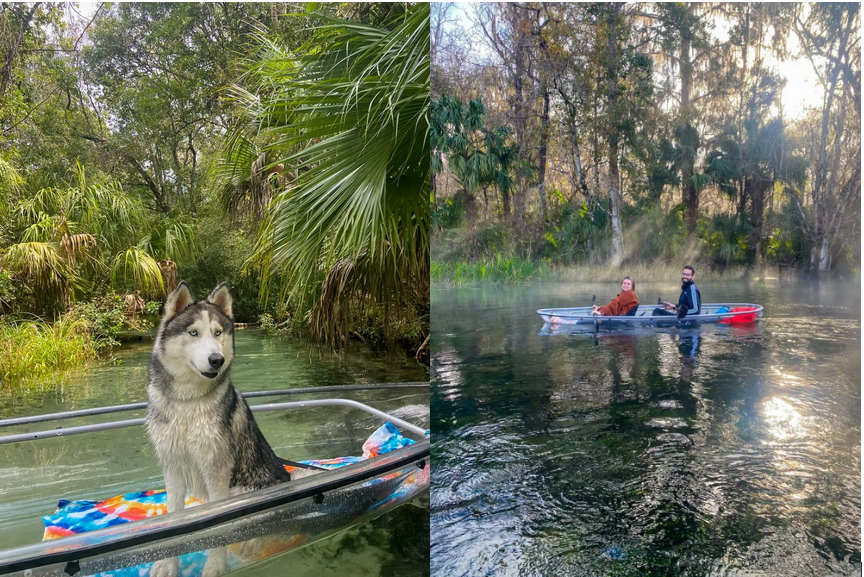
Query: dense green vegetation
[
  {"x": 282, "y": 147},
  {"x": 569, "y": 135}
]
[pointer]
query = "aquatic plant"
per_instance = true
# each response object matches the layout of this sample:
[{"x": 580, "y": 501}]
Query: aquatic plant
[{"x": 34, "y": 349}]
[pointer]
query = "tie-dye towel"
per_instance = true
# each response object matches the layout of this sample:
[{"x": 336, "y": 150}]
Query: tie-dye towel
[{"x": 74, "y": 517}]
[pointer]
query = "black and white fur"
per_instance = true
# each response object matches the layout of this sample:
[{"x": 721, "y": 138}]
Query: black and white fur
[{"x": 202, "y": 428}]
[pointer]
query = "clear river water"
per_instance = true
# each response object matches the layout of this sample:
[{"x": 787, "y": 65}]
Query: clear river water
[
  {"x": 718, "y": 450},
  {"x": 35, "y": 475}
]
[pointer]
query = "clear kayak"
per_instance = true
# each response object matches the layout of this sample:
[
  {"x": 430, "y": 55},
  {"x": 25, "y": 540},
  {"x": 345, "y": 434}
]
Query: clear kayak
[
  {"x": 253, "y": 526},
  {"x": 709, "y": 313}
]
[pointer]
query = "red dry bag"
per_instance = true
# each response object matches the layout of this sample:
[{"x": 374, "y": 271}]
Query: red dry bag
[{"x": 740, "y": 318}]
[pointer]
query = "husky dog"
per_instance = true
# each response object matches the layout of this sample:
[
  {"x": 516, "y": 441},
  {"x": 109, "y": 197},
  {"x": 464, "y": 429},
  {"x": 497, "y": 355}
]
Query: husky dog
[{"x": 202, "y": 428}]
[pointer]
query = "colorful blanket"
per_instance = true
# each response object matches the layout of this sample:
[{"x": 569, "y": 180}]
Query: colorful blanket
[{"x": 73, "y": 517}]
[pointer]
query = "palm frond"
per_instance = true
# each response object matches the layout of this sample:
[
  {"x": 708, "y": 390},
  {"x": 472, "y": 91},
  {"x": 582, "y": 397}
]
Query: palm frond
[
  {"x": 76, "y": 245},
  {"x": 174, "y": 240},
  {"x": 351, "y": 118},
  {"x": 45, "y": 229},
  {"x": 43, "y": 265},
  {"x": 136, "y": 269},
  {"x": 10, "y": 179}
]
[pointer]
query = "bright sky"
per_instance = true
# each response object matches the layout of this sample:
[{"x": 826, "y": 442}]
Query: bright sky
[
  {"x": 87, "y": 9},
  {"x": 802, "y": 90}
]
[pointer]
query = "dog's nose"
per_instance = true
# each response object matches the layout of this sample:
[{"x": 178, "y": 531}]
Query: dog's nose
[{"x": 216, "y": 360}]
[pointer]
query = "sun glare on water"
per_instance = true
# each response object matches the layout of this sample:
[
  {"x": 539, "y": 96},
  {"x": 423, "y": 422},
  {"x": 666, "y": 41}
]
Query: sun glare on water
[{"x": 783, "y": 420}]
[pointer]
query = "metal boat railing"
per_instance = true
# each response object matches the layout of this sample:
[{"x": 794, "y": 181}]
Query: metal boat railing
[{"x": 248, "y": 395}]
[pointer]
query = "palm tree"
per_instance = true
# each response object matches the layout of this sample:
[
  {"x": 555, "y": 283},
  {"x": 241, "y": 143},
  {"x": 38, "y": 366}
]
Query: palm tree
[
  {"x": 10, "y": 182},
  {"x": 477, "y": 157},
  {"x": 350, "y": 120},
  {"x": 82, "y": 237}
]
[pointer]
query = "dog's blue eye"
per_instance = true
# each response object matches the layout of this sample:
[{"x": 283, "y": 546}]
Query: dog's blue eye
[
  {"x": 218, "y": 333},
  {"x": 193, "y": 333}
]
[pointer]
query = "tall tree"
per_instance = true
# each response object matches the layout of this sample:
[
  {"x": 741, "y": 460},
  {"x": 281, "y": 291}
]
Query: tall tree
[
  {"x": 829, "y": 38},
  {"x": 610, "y": 29},
  {"x": 159, "y": 69},
  {"x": 477, "y": 156},
  {"x": 684, "y": 39},
  {"x": 507, "y": 26}
]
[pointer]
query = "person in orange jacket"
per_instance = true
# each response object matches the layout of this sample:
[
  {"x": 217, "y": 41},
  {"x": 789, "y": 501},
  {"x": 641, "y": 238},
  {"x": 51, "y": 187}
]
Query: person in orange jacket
[{"x": 621, "y": 304}]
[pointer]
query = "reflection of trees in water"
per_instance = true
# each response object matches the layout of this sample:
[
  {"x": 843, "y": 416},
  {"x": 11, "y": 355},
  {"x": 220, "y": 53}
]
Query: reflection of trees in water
[
  {"x": 480, "y": 370},
  {"x": 663, "y": 390},
  {"x": 655, "y": 445}
]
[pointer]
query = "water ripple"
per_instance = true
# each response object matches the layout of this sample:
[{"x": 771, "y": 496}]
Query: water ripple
[{"x": 716, "y": 451}]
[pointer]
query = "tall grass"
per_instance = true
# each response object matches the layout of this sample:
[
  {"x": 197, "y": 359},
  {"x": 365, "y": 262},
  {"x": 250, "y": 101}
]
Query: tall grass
[
  {"x": 511, "y": 270},
  {"x": 31, "y": 350},
  {"x": 497, "y": 269}
]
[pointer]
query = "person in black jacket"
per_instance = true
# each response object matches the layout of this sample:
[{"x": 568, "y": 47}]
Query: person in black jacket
[{"x": 690, "y": 301}]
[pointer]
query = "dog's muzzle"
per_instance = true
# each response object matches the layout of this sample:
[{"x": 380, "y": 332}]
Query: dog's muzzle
[{"x": 216, "y": 361}]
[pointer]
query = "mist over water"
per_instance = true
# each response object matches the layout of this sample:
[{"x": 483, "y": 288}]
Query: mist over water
[{"x": 645, "y": 451}]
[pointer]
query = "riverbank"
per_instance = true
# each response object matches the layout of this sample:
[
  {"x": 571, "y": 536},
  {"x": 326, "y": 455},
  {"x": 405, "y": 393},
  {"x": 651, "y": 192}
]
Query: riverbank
[
  {"x": 36, "y": 354},
  {"x": 34, "y": 349},
  {"x": 512, "y": 270}
]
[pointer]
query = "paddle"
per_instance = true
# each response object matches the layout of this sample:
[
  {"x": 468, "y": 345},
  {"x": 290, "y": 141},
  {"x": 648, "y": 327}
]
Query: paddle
[{"x": 660, "y": 303}]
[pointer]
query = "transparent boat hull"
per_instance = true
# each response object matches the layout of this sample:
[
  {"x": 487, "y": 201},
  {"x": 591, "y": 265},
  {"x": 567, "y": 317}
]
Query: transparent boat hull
[
  {"x": 255, "y": 526},
  {"x": 710, "y": 313}
]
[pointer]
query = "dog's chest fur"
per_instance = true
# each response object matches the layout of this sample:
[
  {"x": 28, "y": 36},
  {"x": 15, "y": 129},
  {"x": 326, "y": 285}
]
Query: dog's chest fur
[{"x": 189, "y": 433}]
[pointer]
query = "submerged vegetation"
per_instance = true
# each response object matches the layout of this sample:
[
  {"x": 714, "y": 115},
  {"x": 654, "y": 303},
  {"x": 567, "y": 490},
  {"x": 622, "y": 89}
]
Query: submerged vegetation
[
  {"x": 281, "y": 150},
  {"x": 603, "y": 135}
]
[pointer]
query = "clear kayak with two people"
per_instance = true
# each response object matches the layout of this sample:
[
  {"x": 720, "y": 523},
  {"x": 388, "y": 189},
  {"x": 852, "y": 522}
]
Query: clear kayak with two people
[{"x": 720, "y": 313}]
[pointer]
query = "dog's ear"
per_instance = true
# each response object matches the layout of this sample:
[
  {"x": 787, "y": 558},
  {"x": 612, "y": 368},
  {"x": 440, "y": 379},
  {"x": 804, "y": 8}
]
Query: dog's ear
[
  {"x": 221, "y": 298},
  {"x": 178, "y": 300}
]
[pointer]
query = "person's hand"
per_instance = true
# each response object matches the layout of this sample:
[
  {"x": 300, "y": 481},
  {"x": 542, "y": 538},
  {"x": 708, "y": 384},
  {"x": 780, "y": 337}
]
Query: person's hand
[
  {"x": 668, "y": 306},
  {"x": 595, "y": 311}
]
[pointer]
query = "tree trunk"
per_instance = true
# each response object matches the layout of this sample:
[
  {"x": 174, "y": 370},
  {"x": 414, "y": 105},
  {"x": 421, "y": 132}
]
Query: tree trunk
[
  {"x": 824, "y": 255},
  {"x": 743, "y": 195},
  {"x": 519, "y": 61},
  {"x": 612, "y": 137},
  {"x": 691, "y": 197},
  {"x": 544, "y": 138},
  {"x": 760, "y": 187},
  {"x": 577, "y": 155},
  {"x": 432, "y": 181},
  {"x": 818, "y": 249},
  {"x": 689, "y": 192},
  {"x": 158, "y": 197},
  {"x": 815, "y": 247},
  {"x": 615, "y": 197},
  {"x": 178, "y": 183},
  {"x": 6, "y": 71}
]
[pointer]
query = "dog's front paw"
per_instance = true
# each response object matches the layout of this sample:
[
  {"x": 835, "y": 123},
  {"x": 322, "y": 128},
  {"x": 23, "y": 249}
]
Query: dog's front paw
[
  {"x": 216, "y": 563},
  {"x": 164, "y": 568}
]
